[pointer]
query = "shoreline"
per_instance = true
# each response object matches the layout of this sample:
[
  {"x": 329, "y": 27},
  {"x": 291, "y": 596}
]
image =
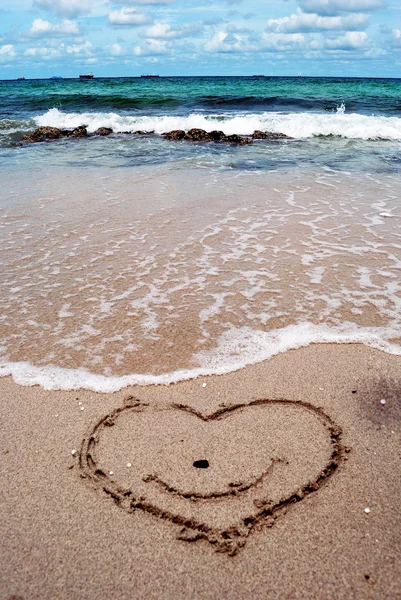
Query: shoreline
[
  {"x": 64, "y": 539},
  {"x": 55, "y": 378}
]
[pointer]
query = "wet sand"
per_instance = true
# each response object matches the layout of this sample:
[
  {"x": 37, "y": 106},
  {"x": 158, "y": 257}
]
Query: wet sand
[
  {"x": 179, "y": 272},
  {"x": 280, "y": 517}
]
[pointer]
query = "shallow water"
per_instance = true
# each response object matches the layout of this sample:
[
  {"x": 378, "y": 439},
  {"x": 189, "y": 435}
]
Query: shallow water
[{"x": 162, "y": 273}]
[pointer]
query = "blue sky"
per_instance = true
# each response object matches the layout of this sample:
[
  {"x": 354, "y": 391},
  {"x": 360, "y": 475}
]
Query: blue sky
[{"x": 42, "y": 38}]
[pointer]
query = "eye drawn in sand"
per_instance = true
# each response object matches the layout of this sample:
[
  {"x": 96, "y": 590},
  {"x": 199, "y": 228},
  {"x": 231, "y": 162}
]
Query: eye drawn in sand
[{"x": 217, "y": 476}]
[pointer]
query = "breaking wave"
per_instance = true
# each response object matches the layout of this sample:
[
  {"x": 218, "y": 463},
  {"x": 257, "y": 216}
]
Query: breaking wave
[{"x": 296, "y": 125}]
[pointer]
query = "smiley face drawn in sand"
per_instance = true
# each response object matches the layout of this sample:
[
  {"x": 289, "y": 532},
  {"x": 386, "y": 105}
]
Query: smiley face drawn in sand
[{"x": 215, "y": 476}]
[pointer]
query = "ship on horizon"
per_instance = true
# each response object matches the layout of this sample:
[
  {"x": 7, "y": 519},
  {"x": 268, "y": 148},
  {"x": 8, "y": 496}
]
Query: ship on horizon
[
  {"x": 149, "y": 76},
  {"x": 87, "y": 76}
]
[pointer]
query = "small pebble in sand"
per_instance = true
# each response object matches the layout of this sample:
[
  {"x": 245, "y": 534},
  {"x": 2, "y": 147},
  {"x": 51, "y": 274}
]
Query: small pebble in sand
[
  {"x": 79, "y": 403},
  {"x": 367, "y": 510},
  {"x": 129, "y": 465},
  {"x": 82, "y": 408},
  {"x": 382, "y": 402},
  {"x": 203, "y": 384},
  {"x": 73, "y": 452},
  {"x": 385, "y": 214},
  {"x": 110, "y": 472}
]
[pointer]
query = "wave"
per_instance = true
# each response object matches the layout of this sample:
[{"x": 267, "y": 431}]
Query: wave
[
  {"x": 296, "y": 125},
  {"x": 282, "y": 103},
  {"x": 134, "y": 102},
  {"x": 236, "y": 349},
  {"x": 8, "y": 125}
]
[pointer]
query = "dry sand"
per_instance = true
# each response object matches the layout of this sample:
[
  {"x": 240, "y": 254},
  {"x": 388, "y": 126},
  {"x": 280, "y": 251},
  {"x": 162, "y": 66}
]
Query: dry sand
[{"x": 280, "y": 513}]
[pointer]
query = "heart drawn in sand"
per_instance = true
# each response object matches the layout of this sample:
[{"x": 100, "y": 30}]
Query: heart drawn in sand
[{"x": 215, "y": 476}]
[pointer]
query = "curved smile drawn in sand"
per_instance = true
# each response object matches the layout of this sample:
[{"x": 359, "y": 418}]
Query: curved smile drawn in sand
[
  {"x": 216, "y": 476},
  {"x": 233, "y": 488}
]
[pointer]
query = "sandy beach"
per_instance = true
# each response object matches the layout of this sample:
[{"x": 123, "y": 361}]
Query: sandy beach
[{"x": 96, "y": 508}]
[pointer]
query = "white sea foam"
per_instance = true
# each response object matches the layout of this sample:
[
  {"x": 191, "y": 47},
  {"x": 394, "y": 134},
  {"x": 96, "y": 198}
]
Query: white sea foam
[
  {"x": 235, "y": 350},
  {"x": 296, "y": 125}
]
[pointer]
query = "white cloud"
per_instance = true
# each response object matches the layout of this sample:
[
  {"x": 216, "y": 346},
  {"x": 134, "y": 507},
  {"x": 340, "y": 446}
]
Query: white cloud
[
  {"x": 151, "y": 48},
  {"x": 7, "y": 52},
  {"x": 307, "y": 22},
  {"x": 41, "y": 28},
  {"x": 223, "y": 42},
  {"x": 164, "y": 31},
  {"x": 393, "y": 36},
  {"x": 281, "y": 41},
  {"x": 50, "y": 51},
  {"x": 232, "y": 28},
  {"x": 45, "y": 52},
  {"x": 142, "y": 2},
  {"x": 161, "y": 31},
  {"x": 128, "y": 17},
  {"x": 115, "y": 50},
  {"x": 396, "y": 38},
  {"x": 65, "y": 8},
  {"x": 335, "y": 7},
  {"x": 352, "y": 40},
  {"x": 84, "y": 49}
]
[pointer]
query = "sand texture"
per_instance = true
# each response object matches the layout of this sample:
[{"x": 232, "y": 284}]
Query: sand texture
[{"x": 279, "y": 481}]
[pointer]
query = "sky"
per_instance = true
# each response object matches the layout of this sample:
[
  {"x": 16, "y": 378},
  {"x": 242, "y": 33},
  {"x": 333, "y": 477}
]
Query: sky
[{"x": 44, "y": 38}]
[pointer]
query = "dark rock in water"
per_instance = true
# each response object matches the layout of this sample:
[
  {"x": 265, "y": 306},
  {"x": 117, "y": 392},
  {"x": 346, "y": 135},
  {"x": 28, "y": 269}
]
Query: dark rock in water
[
  {"x": 217, "y": 136},
  {"x": 79, "y": 132},
  {"x": 140, "y": 132},
  {"x": 282, "y": 136},
  {"x": 198, "y": 135},
  {"x": 41, "y": 134},
  {"x": 103, "y": 131},
  {"x": 260, "y": 135},
  {"x": 237, "y": 139},
  {"x": 176, "y": 134},
  {"x": 269, "y": 135}
]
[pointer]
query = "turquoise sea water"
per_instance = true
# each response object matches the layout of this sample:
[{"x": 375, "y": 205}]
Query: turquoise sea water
[
  {"x": 184, "y": 94},
  {"x": 341, "y": 123}
]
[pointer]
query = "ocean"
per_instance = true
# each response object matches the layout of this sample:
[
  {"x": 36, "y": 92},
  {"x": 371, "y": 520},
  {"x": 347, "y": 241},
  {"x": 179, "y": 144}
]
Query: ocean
[{"x": 132, "y": 259}]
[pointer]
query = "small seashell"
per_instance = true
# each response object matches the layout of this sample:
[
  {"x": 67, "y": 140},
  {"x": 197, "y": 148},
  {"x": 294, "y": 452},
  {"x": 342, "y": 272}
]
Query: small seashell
[
  {"x": 382, "y": 401},
  {"x": 367, "y": 510},
  {"x": 73, "y": 452},
  {"x": 203, "y": 385},
  {"x": 82, "y": 408},
  {"x": 110, "y": 472},
  {"x": 129, "y": 465}
]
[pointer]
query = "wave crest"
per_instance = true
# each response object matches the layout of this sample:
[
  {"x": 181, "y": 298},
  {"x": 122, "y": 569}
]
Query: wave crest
[{"x": 296, "y": 125}]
